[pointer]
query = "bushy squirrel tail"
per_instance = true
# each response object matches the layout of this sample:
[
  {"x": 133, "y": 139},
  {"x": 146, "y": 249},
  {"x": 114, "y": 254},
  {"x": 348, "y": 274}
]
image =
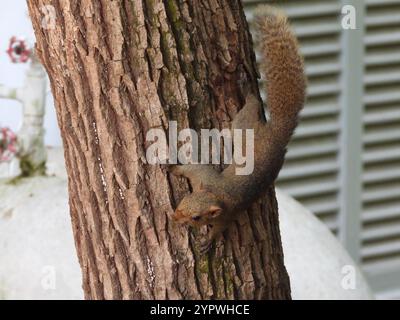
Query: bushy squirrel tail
[{"x": 283, "y": 68}]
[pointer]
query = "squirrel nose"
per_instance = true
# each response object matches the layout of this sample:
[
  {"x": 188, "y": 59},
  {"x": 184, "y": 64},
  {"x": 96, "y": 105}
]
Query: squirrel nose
[{"x": 175, "y": 216}]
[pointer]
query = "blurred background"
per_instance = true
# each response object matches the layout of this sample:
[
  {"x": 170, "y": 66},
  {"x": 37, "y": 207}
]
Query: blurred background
[
  {"x": 14, "y": 21},
  {"x": 344, "y": 161}
]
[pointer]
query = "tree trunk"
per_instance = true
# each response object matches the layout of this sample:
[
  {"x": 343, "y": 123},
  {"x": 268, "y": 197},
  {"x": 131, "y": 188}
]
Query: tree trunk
[{"x": 117, "y": 69}]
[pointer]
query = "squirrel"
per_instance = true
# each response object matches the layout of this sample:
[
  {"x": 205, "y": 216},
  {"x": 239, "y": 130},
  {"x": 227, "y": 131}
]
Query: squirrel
[{"x": 218, "y": 197}]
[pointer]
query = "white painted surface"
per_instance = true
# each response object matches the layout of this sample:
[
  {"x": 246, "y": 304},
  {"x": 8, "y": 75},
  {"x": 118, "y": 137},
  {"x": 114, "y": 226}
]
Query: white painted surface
[
  {"x": 38, "y": 258},
  {"x": 318, "y": 265}
]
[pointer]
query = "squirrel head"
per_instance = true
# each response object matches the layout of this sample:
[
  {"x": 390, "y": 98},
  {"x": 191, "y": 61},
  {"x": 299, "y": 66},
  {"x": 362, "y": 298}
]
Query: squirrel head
[{"x": 198, "y": 209}]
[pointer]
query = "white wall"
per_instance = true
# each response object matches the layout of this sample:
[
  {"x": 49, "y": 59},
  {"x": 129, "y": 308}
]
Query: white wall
[{"x": 14, "y": 20}]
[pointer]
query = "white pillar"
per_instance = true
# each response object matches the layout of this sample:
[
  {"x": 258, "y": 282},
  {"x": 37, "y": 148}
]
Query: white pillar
[{"x": 32, "y": 152}]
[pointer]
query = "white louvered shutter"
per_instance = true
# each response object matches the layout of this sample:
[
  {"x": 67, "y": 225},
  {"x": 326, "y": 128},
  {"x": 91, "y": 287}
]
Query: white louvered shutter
[
  {"x": 381, "y": 156},
  {"x": 314, "y": 171}
]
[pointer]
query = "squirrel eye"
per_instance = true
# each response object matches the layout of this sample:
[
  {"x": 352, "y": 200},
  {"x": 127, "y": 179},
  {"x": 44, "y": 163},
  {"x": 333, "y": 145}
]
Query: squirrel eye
[{"x": 196, "y": 218}]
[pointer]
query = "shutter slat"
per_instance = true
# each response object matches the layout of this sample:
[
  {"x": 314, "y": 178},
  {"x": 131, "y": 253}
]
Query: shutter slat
[
  {"x": 381, "y": 98},
  {"x": 323, "y": 89},
  {"x": 381, "y": 232},
  {"x": 323, "y": 208},
  {"x": 382, "y": 20},
  {"x": 384, "y": 136},
  {"x": 333, "y": 225},
  {"x": 310, "y": 151},
  {"x": 320, "y": 110},
  {"x": 313, "y": 190},
  {"x": 382, "y": 175},
  {"x": 383, "y": 39},
  {"x": 381, "y": 156},
  {"x": 309, "y": 170},
  {"x": 322, "y": 69},
  {"x": 382, "y": 58},
  {"x": 381, "y": 194},
  {"x": 382, "y": 78},
  {"x": 382, "y": 116},
  {"x": 317, "y": 130},
  {"x": 379, "y": 249},
  {"x": 380, "y": 3},
  {"x": 298, "y": 9},
  {"x": 314, "y": 10},
  {"x": 314, "y": 50},
  {"x": 321, "y": 29},
  {"x": 381, "y": 214}
]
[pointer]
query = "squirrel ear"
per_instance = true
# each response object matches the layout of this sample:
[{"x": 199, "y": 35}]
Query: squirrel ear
[{"x": 214, "y": 211}]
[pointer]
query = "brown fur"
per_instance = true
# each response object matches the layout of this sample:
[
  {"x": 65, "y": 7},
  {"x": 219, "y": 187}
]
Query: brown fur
[{"x": 217, "y": 198}]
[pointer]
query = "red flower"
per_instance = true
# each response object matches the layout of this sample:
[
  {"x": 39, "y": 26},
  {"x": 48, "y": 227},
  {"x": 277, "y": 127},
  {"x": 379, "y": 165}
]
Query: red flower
[
  {"x": 18, "y": 50},
  {"x": 8, "y": 144}
]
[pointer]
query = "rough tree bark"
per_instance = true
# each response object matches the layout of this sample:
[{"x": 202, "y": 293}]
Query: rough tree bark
[{"x": 117, "y": 69}]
